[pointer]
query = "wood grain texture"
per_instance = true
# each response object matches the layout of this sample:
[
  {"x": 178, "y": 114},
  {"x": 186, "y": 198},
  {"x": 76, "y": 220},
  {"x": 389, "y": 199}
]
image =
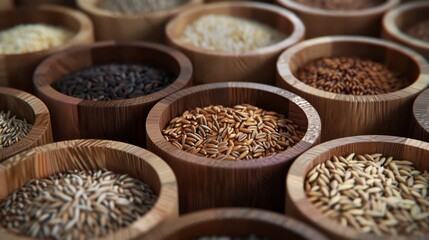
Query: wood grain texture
[
  {"x": 122, "y": 120},
  {"x": 397, "y": 20},
  {"x": 348, "y": 115},
  {"x": 118, "y": 157},
  {"x": 297, "y": 204},
  {"x": 250, "y": 66},
  {"x": 26, "y": 106},
  {"x": 320, "y": 22},
  {"x": 421, "y": 117},
  {"x": 206, "y": 182},
  {"x": 130, "y": 26},
  {"x": 16, "y": 70},
  {"x": 237, "y": 222},
  {"x": 34, "y": 3}
]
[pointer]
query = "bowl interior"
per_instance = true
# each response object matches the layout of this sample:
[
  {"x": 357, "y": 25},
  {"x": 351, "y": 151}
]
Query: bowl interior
[
  {"x": 410, "y": 16},
  {"x": 17, "y": 106}
]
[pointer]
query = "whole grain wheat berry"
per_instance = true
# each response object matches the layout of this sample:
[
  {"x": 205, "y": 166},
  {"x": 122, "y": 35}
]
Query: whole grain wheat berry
[
  {"x": 12, "y": 129},
  {"x": 347, "y": 5},
  {"x": 372, "y": 193},
  {"x": 419, "y": 30},
  {"x": 243, "y": 132},
  {"x": 139, "y": 6},
  {"x": 76, "y": 205}
]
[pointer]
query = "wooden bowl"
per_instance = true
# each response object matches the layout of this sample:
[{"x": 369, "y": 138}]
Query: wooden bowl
[
  {"x": 348, "y": 115},
  {"x": 16, "y": 70},
  {"x": 320, "y": 22},
  {"x": 33, "y": 3},
  {"x": 398, "y": 19},
  {"x": 297, "y": 204},
  {"x": 130, "y": 26},
  {"x": 420, "y": 124},
  {"x": 28, "y": 107},
  {"x": 122, "y": 120},
  {"x": 250, "y": 66},
  {"x": 118, "y": 157},
  {"x": 237, "y": 222},
  {"x": 206, "y": 182}
]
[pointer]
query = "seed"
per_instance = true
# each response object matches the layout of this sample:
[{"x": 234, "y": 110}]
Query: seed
[
  {"x": 419, "y": 30},
  {"x": 346, "y": 5},
  {"x": 139, "y": 6},
  {"x": 12, "y": 129}
]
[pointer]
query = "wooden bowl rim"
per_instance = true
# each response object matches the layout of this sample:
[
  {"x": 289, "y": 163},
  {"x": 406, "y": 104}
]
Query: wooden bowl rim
[
  {"x": 367, "y": 12},
  {"x": 165, "y": 174},
  {"x": 311, "y": 136},
  {"x": 39, "y": 129},
  {"x": 297, "y": 173},
  {"x": 183, "y": 78},
  {"x": 287, "y": 76},
  {"x": 85, "y": 27},
  {"x": 391, "y": 28},
  {"x": 296, "y": 35},
  {"x": 420, "y": 110}
]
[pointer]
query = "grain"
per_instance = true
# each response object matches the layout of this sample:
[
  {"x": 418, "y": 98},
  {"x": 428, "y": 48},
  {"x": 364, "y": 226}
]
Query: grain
[
  {"x": 243, "y": 132},
  {"x": 139, "y": 6},
  {"x": 372, "y": 195},
  {"x": 419, "y": 30},
  {"x": 76, "y": 205},
  {"x": 346, "y": 5},
  {"x": 12, "y": 129},
  {"x": 230, "y": 34}
]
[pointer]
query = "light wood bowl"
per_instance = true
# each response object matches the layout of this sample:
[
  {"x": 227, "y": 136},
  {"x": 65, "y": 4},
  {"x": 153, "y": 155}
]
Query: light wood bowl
[
  {"x": 396, "y": 20},
  {"x": 320, "y": 22},
  {"x": 250, "y": 66},
  {"x": 16, "y": 70},
  {"x": 297, "y": 204},
  {"x": 206, "y": 182},
  {"x": 237, "y": 222},
  {"x": 130, "y": 26},
  {"x": 118, "y": 157},
  {"x": 28, "y": 107},
  {"x": 33, "y": 3},
  {"x": 420, "y": 122},
  {"x": 122, "y": 120},
  {"x": 348, "y": 115}
]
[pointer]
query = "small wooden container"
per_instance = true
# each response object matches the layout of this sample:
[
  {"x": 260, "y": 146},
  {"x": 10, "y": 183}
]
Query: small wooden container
[
  {"x": 321, "y": 22},
  {"x": 234, "y": 222},
  {"x": 421, "y": 117},
  {"x": 16, "y": 70},
  {"x": 118, "y": 157},
  {"x": 348, "y": 115},
  {"x": 206, "y": 182},
  {"x": 28, "y": 107},
  {"x": 250, "y": 66},
  {"x": 297, "y": 204},
  {"x": 398, "y": 19},
  {"x": 33, "y": 3},
  {"x": 122, "y": 120},
  {"x": 130, "y": 26}
]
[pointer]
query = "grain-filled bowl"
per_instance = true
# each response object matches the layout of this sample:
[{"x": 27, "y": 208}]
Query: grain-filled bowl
[
  {"x": 400, "y": 72},
  {"x": 25, "y": 122},
  {"x": 85, "y": 189},
  {"x": 18, "y": 62},
  {"x": 253, "y": 181},
  {"x": 234, "y": 223},
  {"x": 420, "y": 124},
  {"x": 376, "y": 192},
  {"x": 129, "y": 22},
  {"x": 121, "y": 116},
  {"x": 245, "y": 59},
  {"x": 408, "y": 25}
]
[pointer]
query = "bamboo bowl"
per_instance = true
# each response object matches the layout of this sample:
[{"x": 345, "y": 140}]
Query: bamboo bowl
[
  {"x": 320, "y": 22},
  {"x": 421, "y": 117},
  {"x": 118, "y": 157},
  {"x": 237, "y": 222},
  {"x": 297, "y": 204},
  {"x": 249, "y": 66},
  {"x": 121, "y": 120},
  {"x": 130, "y": 26},
  {"x": 16, "y": 70},
  {"x": 348, "y": 115},
  {"x": 398, "y": 19},
  {"x": 207, "y": 183},
  {"x": 26, "y": 106}
]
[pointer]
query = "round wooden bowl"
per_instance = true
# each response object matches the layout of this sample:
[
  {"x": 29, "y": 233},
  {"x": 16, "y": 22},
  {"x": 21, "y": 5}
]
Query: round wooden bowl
[
  {"x": 420, "y": 122},
  {"x": 16, "y": 70},
  {"x": 398, "y": 19},
  {"x": 206, "y": 182},
  {"x": 234, "y": 222},
  {"x": 122, "y": 120},
  {"x": 118, "y": 157},
  {"x": 249, "y": 66},
  {"x": 297, "y": 204},
  {"x": 33, "y": 3},
  {"x": 28, "y": 107},
  {"x": 348, "y": 115},
  {"x": 321, "y": 22},
  {"x": 130, "y": 26}
]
